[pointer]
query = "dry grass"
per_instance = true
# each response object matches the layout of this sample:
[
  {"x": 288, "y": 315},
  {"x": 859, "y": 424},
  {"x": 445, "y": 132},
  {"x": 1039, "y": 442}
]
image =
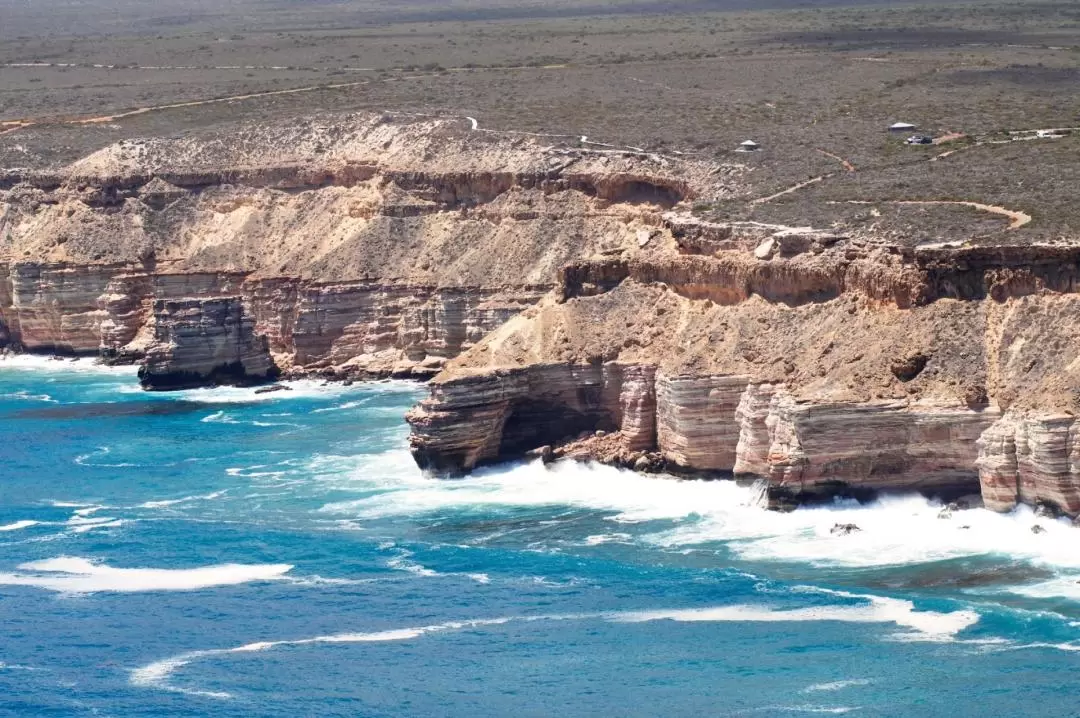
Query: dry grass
[{"x": 806, "y": 83}]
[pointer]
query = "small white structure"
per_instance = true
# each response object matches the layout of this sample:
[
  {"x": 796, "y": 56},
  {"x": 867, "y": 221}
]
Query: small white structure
[
  {"x": 748, "y": 146},
  {"x": 901, "y": 127}
]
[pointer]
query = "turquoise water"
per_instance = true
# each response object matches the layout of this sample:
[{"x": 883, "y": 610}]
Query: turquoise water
[{"x": 223, "y": 553}]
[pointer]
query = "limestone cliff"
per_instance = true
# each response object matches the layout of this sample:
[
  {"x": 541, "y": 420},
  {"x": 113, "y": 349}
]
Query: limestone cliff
[
  {"x": 204, "y": 341},
  {"x": 361, "y": 244},
  {"x": 830, "y": 367},
  {"x": 567, "y": 297}
]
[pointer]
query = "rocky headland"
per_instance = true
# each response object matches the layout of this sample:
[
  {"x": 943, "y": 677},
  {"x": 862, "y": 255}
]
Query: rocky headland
[
  {"x": 566, "y": 300},
  {"x": 362, "y": 246}
]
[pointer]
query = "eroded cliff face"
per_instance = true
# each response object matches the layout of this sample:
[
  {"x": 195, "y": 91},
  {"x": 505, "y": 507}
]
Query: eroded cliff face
[
  {"x": 572, "y": 302},
  {"x": 825, "y": 366},
  {"x": 363, "y": 245},
  {"x": 199, "y": 342}
]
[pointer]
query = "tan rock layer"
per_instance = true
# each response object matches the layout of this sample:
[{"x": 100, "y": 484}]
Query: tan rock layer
[
  {"x": 1031, "y": 458},
  {"x": 904, "y": 278},
  {"x": 727, "y": 424},
  {"x": 205, "y": 341},
  {"x": 109, "y": 309}
]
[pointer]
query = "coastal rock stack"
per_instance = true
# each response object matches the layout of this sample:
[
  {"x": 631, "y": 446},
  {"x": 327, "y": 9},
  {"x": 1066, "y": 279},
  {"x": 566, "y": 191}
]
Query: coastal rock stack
[{"x": 205, "y": 342}]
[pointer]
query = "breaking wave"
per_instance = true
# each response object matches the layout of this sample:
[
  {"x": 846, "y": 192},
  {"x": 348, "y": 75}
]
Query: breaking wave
[
  {"x": 25, "y": 523},
  {"x": 873, "y": 609},
  {"x": 39, "y": 363},
  {"x": 70, "y": 574},
  {"x": 895, "y": 530}
]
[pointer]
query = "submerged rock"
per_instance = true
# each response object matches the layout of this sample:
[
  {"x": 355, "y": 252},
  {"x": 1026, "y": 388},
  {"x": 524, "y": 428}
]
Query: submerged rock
[
  {"x": 844, "y": 529},
  {"x": 272, "y": 388}
]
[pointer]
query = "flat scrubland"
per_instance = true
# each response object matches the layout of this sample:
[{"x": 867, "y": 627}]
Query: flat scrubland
[{"x": 815, "y": 86}]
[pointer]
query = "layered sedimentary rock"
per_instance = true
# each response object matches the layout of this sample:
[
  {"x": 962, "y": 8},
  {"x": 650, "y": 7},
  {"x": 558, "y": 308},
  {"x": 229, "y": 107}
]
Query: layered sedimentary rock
[
  {"x": 571, "y": 300},
  {"x": 1031, "y": 458},
  {"x": 817, "y": 451},
  {"x": 833, "y": 368},
  {"x": 696, "y": 420},
  {"x": 361, "y": 244},
  {"x": 508, "y": 412},
  {"x": 200, "y": 342},
  {"x": 54, "y": 308}
]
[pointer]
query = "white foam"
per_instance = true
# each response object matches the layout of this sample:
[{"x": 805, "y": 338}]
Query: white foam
[
  {"x": 27, "y": 396},
  {"x": 164, "y": 503},
  {"x": 341, "y": 407},
  {"x": 837, "y": 685},
  {"x": 896, "y": 530},
  {"x": 298, "y": 389},
  {"x": 87, "y": 510},
  {"x": 102, "y": 523},
  {"x": 807, "y": 708},
  {"x": 633, "y": 497},
  {"x": 38, "y": 363},
  {"x": 25, "y": 523},
  {"x": 402, "y": 562},
  {"x": 597, "y": 539},
  {"x": 875, "y": 610},
  {"x": 68, "y": 574},
  {"x": 157, "y": 674},
  {"x": 1061, "y": 587},
  {"x": 932, "y": 625},
  {"x": 84, "y": 459},
  {"x": 17, "y": 667}
]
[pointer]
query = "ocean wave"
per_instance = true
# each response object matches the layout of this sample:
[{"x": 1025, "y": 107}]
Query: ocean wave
[
  {"x": 224, "y": 417},
  {"x": 165, "y": 503},
  {"x": 837, "y": 685},
  {"x": 931, "y": 625},
  {"x": 27, "y": 396},
  {"x": 157, "y": 674},
  {"x": 316, "y": 580},
  {"x": 632, "y": 497},
  {"x": 343, "y": 407},
  {"x": 23, "y": 524},
  {"x": 297, "y": 389},
  {"x": 806, "y": 708},
  {"x": 75, "y": 575},
  {"x": 895, "y": 530},
  {"x": 876, "y": 609},
  {"x": 39, "y": 363},
  {"x": 403, "y": 562},
  {"x": 1061, "y": 587},
  {"x": 84, "y": 459}
]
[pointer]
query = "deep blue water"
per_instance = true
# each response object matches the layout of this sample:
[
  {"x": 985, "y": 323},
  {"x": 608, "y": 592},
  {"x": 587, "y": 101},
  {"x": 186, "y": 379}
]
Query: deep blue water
[{"x": 222, "y": 553}]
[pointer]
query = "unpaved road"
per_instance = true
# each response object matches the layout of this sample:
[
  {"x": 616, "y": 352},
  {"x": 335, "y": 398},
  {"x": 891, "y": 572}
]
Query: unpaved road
[{"x": 1016, "y": 218}]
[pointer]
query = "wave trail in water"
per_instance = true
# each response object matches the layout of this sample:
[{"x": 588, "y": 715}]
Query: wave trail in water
[
  {"x": 69, "y": 574},
  {"x": 157, "y": 674},
  {"x": 933, "y": 625},
  {"x": 837, "y": 685},
  {"x": 25, "y": 523},
  {"x": 929, "y": 625},
  {"x": 164, "y": 503}
]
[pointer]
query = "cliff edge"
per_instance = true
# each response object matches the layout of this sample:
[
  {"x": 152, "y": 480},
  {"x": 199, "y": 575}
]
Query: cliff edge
[
  {"x": 355, "y": 245},
  {"x": 826, "y": 365}
]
